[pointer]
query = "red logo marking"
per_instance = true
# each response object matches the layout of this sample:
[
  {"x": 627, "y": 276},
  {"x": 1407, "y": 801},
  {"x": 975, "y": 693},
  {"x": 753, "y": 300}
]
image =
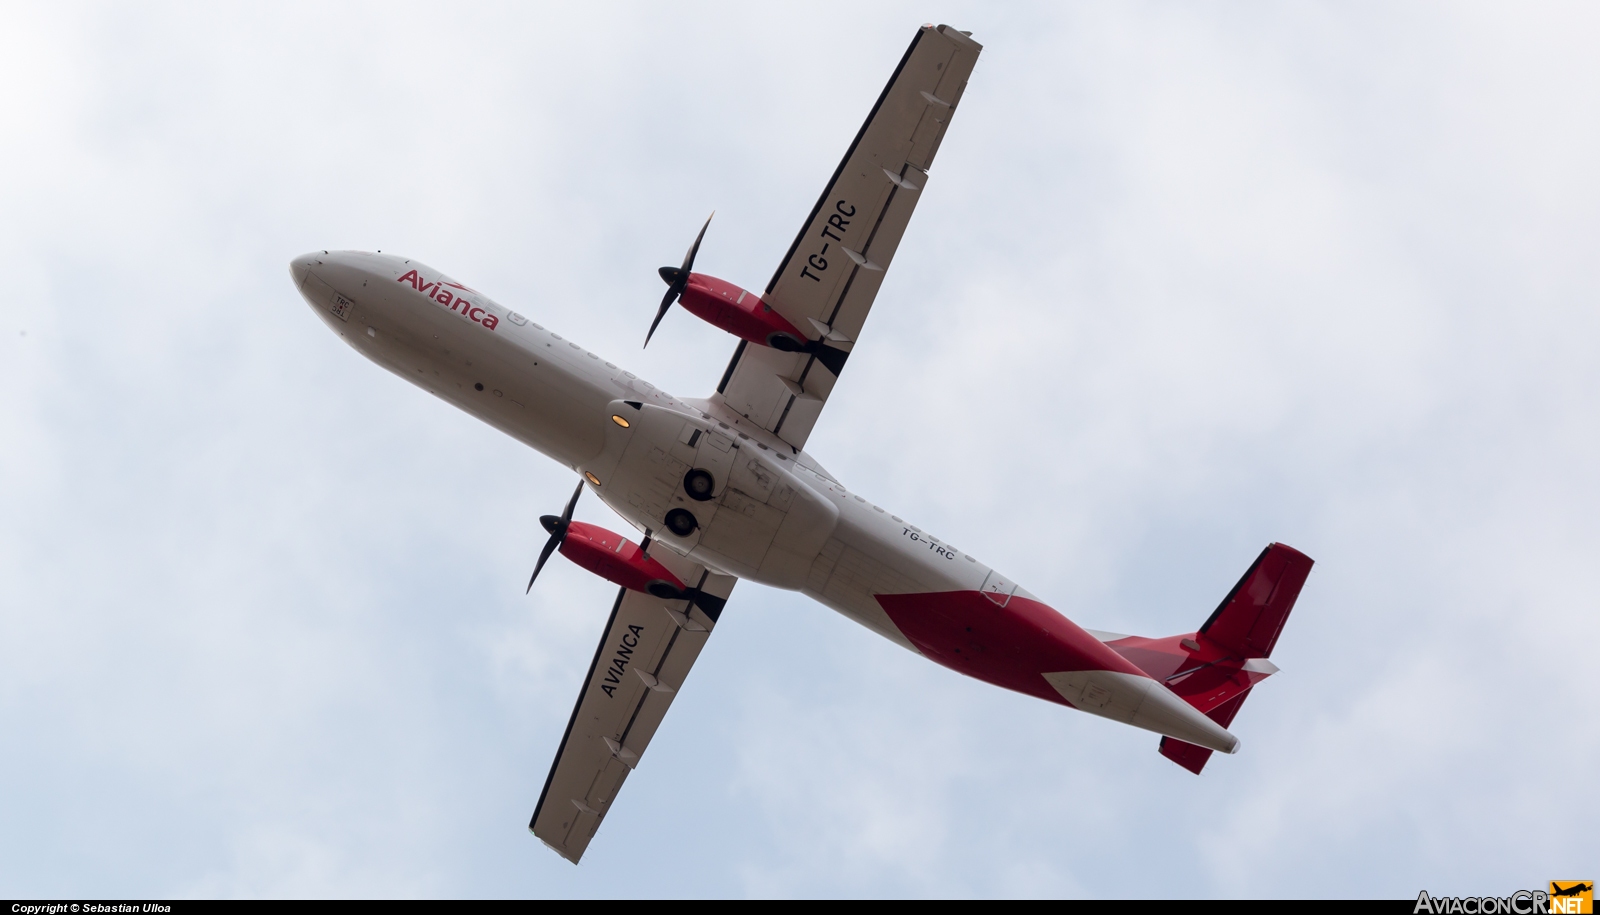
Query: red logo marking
[{"x": 458, "y": 304}]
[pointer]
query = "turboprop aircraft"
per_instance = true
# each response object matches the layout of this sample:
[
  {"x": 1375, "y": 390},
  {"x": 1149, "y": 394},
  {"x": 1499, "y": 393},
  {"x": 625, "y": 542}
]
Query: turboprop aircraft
[{"x": 722, "y": 487}]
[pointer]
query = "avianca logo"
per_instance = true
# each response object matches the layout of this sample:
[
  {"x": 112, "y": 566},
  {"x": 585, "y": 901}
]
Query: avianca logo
[
  {"x": 445, "y": 299},
  {"x": 619, "y": 664}
]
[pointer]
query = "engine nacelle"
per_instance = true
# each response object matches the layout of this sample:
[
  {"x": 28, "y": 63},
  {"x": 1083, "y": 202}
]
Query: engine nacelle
[
  {"x": 748, "y": 317},
  {"x": 618, "y": 560},
  {"x": 741, "y": 313}
]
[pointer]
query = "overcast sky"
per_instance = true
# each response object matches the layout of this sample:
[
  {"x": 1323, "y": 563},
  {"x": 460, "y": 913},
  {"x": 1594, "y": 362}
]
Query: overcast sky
[{"x": 1187, "y": 279}]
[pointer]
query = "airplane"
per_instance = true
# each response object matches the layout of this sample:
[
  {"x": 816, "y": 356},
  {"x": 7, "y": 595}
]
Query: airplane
[{"x": 723, "y": 489}]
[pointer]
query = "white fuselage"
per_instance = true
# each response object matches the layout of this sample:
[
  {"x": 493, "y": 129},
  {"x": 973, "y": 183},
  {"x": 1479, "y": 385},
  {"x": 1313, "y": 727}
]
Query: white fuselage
[
  {"x": 774, "y": 515},
  {"x": 557, "y": 397}
]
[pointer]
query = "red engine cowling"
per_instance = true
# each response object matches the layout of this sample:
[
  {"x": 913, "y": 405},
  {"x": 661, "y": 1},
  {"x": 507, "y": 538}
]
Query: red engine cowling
[
  {"x": 741, "y": 313},
  {"x": 618, "y": 560},
  {"x": 621, "y": 562},
  {"x": 745, "y": 315}
]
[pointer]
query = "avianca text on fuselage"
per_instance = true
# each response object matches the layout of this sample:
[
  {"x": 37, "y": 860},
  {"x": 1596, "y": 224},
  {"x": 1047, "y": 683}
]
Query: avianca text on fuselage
[{"x": 445, "y": 299}]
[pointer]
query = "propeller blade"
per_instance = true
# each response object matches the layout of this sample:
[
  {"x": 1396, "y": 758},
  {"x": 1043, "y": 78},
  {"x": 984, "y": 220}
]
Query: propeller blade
[
  {"x": 666, "y": 303},
  {"x": 544, "y": 555},
  {"x": 558, "y": 533},
  {"x": 688, "y": 259},
  {"x": 566, "y": 516},
  {"x": 677, "y": 278}
]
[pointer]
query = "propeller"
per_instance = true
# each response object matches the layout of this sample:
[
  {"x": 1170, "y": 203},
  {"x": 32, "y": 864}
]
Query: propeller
[
  {"x": 558, "y": 532},
  {"x": 677, "y": 279}
]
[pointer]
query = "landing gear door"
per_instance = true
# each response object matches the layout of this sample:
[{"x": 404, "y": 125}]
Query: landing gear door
[
  {"x": 645, "y": 485},
  {"x": 714, "y": 454}
]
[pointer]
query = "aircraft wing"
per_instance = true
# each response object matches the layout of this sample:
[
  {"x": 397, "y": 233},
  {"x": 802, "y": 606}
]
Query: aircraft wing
[
  {"x": 825, "y": 284},
  {"x": 643, "y": 658}
]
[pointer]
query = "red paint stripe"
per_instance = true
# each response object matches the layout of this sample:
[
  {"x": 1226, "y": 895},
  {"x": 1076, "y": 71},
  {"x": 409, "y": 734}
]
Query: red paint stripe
[{"x": 1010, "y": 646}]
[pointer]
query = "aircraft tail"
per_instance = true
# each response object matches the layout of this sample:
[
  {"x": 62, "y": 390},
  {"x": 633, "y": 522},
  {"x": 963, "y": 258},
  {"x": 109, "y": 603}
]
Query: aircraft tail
[{"x": 1214, "y": 668}]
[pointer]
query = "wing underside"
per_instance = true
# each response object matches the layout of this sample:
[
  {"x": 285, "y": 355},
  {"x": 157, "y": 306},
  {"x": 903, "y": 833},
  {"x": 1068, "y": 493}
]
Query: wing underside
[
  {"x": 644, "y": 656},
  {"x": 826, "y": 283}
]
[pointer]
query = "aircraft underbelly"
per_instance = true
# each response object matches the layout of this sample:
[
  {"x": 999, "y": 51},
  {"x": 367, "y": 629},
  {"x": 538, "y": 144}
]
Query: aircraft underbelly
[
  {"x": 772, "y": 520},
  {"x": 505, "y": 381},
  {"x": 943, "y": 603}
]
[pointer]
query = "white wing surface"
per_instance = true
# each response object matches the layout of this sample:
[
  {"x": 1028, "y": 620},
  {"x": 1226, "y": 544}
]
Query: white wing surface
[
  {"x": 827, "y": 281},
  {"x": 644, "y": 656}
]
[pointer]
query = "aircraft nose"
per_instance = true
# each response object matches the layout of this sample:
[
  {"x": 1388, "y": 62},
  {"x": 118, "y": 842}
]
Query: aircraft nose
[{"x": 300, "y": 268}]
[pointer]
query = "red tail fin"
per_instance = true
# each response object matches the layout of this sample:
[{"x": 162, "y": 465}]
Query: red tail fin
[
  {"x": 1213, "y": 669},
  {"x": 1248, "y": 620}
]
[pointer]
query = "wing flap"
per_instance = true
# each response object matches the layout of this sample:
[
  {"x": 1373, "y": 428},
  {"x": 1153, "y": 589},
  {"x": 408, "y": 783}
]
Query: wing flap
[{"x": 618, "y": 710}]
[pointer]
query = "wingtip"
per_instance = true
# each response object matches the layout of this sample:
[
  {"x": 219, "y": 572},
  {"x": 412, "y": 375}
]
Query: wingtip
[{"x": 566, "y": 855}]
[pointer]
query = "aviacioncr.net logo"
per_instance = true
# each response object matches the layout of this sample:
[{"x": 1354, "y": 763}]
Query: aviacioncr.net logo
[{"x": 1566, "y": 897}]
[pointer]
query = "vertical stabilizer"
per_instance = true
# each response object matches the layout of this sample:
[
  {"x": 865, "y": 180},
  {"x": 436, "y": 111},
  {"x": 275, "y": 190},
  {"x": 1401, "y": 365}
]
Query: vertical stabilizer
[
  {"x": 1213, "y": 668},
  {"x": 1248, "y": 620}
]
